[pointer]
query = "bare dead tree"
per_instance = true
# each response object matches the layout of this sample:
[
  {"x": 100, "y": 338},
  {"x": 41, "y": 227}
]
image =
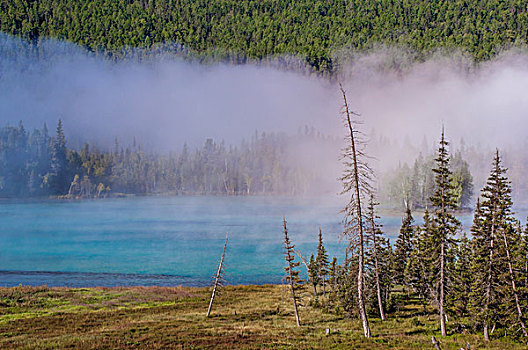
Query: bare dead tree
[
  {"x": 218, "y": 278},
  {"x": 513, "y": 286},
  {"x": 356, "y": 180},
  {"x": 292, "y": 275},
  {"x": 435, "y": 342}
]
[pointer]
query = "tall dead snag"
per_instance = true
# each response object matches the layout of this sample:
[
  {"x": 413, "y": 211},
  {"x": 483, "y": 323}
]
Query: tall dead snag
[
  {"x": 356, "y": 180},
  {"x": 218, "y": 278},
  {"x": 292, "y": 275},
  {"x": 374, "y": 231}
]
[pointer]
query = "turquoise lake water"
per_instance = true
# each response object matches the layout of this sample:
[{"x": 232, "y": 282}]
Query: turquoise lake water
[{"x": 162, "y": 240}]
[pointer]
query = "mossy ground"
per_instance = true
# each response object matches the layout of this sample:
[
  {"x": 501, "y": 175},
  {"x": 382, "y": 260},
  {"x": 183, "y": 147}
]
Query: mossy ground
[{"x": 174, "y": 318}]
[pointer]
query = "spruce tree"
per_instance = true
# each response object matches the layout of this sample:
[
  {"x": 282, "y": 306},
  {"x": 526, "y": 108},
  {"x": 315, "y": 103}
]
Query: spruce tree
[
  {"x": 496, "y": 247},
  {"x": 375, "y": 240},
  {"x": 321, "y": 262},
  {"x": 444, "y": 204},
  {"x": 58, "y": 176},
  {"x": 483, "y": 270},
  {"x": 313, "y": 275},
  {"x": 403, "y": 248},
  {"x": 332, "y": 275},
  {"x": 462, "y": 279},
  {"x": 419, "y": 271}
]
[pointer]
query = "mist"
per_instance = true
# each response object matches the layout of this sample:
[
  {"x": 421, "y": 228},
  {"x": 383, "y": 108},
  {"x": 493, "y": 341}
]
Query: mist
[{"x": 165, "y": 101}]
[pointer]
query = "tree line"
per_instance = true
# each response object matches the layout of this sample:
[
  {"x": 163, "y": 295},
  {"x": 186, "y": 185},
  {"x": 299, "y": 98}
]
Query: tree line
[
  {"x": 315, "y": 30},
  {"x": 414, "y": 186},
  {"x": 475, "y": 283},
  {"x": 36, "y": 164}
]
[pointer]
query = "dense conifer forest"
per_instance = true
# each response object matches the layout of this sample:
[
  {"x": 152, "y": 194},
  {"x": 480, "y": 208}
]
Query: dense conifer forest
[
  {"x": 475, "y": 283},
  {"x": 239, "y": 30}
]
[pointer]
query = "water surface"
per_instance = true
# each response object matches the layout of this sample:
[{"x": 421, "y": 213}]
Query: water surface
[{"x": 162, "y": 240}]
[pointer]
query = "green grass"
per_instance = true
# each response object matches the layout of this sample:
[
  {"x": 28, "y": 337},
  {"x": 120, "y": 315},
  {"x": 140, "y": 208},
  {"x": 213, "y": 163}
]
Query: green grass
[{"x": 247, "y": 317}]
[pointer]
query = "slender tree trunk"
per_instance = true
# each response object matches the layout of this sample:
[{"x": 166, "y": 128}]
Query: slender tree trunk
[
  {"x": 488, "y": 285},
  {"x": 378, "y": 288},
  {"x": 292, "y": 282},
  {"x": 361, "y": 301},
  {"x": 324, "y": 285},
  {"x": 292, "y": 288},
  {"x": 376, "y": 269},
  {"x": 514, "y": 289},
  {"x": 442, "y": 280},
  {"x": 217, "y": 278},
  {"x": 442, "y": 277}
]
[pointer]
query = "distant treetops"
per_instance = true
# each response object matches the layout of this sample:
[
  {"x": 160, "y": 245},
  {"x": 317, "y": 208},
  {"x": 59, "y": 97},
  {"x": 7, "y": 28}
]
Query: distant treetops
[{"x": 34, "y": 163}]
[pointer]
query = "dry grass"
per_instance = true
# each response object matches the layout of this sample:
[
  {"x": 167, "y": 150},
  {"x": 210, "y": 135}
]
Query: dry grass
[{"x": 249, "y": 317}]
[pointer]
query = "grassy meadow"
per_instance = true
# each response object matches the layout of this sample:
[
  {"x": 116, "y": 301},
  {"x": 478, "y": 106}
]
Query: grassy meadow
[{"x": 247, "y": 317}]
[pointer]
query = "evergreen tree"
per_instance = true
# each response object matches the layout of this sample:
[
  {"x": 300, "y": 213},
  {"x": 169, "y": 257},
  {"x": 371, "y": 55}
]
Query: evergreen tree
[
  {"x": 313, "y": 275},
  {"x": 332, "y": 274},
  {"x": 446, "y": 225},
  {"x": 461, "y": 286},
  {"x": 375, "y": 240},
  {"x": 59, "y": 167},
  {"x": 403, "y": 248},
  {"x": 496, "y": 245},
  {"x": 321, "y": 262},
  {"x": 419, "y": 271}
]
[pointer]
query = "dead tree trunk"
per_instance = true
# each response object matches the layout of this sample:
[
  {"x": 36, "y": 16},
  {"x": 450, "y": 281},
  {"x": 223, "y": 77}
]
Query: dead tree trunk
[
  {"x": 436, "y": 343},
  {"x": 218, "y": 277},
  {"x": 376, "y": 273},
  {"x": 375, "y": 255},
  {"x": 488, "y": 284},
  {"x": 359, "y": 216},
  {"x": 514, "y": 288},
  {"x": 291, "y": 273},
  {"x": 308, "y": 269}
]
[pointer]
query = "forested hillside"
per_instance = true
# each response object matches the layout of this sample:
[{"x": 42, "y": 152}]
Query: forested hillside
[{"x": 237, "y": 30}]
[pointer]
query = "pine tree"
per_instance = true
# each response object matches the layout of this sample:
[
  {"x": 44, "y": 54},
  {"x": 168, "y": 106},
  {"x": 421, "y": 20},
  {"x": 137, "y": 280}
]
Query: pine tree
[
  {"x": 461, "y": 285},
  {"x": 374, "y": 236},
  {"x": 446, "y": 225},
  {"x": 483, "y": 291},
  {"x": 403, "y": 248},
  {"x": 321, "y": 262},
  {"x": 313, "y": 275},
  {"x": 332, "y": 280},
  {"x": 356, "y": 180},
  {"x": 419, "y": 271},
  {"x": 292, "y": 274},
  {"x": 496, "y": 243},
  {"x": 59, "y": 172}
]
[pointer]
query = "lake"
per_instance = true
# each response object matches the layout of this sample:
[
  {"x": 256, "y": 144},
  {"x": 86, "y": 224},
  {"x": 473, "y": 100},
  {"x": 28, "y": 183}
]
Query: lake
[{"x": 163, "y": 240}]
